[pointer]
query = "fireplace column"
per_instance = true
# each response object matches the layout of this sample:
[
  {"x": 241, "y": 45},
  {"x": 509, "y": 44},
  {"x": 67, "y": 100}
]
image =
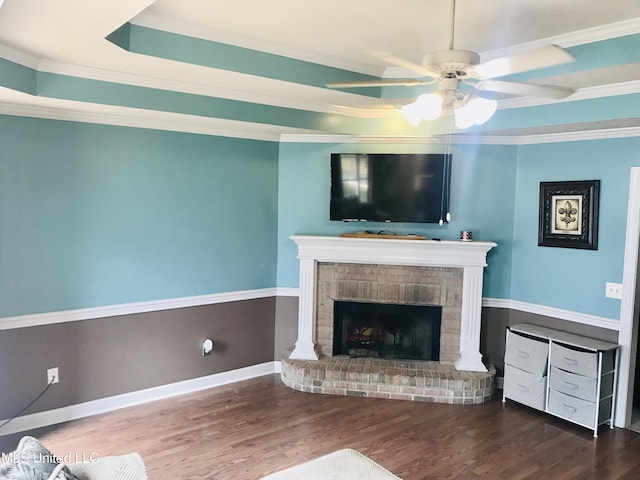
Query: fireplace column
[
  {"x": 470, "y": 356},
  {"x": 305, "y": 348}
]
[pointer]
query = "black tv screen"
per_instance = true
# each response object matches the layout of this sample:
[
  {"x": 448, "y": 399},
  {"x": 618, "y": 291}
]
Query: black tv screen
[{"x": 377, "y": 187}]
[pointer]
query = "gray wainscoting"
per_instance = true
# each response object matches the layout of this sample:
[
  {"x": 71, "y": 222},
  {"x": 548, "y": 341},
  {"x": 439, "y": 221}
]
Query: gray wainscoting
[{"x": 109, "y": 356}]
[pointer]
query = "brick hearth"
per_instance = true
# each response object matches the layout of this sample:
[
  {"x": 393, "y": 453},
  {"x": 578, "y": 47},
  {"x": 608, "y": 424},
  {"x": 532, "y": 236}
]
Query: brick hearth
[{"x": 391, "y": 379}]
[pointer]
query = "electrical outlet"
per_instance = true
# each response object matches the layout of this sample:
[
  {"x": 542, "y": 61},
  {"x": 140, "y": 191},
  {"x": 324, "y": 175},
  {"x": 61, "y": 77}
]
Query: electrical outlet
[
  {"x": 52, "y": 374},
  {"x": 613, "y": 290}
]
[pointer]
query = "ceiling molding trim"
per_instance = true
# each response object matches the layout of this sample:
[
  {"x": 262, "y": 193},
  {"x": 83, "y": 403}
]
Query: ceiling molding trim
[
  {"x": 466, "y": 139},
  {"x": 571, "y": 39},
  {"x": 603, "y": 134},
  {"x": 175, "y": 122},
  {"x": 19, "y": 57},
  {"x": 123, "y": 78},
  {"x": 137, "y": 118},
  {"x": 399, "y": 139},
  {"x": 161, "y": 22},
  {"x": 57, "y": 68}
]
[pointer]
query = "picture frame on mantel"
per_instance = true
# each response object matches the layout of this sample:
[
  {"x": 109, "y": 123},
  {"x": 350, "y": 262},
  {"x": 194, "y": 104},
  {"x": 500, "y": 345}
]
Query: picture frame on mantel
[{"x": 568, "y": 215}]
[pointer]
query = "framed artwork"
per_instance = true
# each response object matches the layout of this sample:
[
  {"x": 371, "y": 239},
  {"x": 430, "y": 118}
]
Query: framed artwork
[{"x": 568, "y": 214}]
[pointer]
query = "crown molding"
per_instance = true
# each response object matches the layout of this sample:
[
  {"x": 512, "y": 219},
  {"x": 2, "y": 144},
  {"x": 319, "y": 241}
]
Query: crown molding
[
  {"x": 58, "y": 68},
  {"x": 124, "y": 78},
  {"x": 19, "y": 57},
  {"x": 466, "y": 139},
  {"x": 54, "y": 109},
  {"x": 600, "y": 134},
  {"x": 571, "y": 39},
  {"x": 399, "y": 139},
  {"x": 151, "y": 119},
  {"x": 623, "y": 88}
]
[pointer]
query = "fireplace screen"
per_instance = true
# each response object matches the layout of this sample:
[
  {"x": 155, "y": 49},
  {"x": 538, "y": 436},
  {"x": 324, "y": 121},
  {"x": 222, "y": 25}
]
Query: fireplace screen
[{"x": 386, "y": 330}]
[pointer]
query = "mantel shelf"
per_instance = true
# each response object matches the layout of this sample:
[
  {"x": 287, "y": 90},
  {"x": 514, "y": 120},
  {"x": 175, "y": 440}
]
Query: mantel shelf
[{"x": 387, "y": 251}]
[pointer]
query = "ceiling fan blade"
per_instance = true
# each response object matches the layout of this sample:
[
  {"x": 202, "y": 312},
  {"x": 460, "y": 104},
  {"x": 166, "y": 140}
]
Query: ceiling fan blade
[
  {"x": 548, "y": 56},
  {"x": 377, "y": 83},
  {"x": 524, "y": 89},
  {"x": 401, "y": 62}
]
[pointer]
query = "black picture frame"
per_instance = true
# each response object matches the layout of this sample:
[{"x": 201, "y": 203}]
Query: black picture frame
[{"x": 568, "y": 214}]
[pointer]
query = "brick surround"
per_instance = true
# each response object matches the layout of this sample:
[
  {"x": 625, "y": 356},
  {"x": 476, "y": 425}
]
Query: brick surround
[{"x": 410, "y": 285}]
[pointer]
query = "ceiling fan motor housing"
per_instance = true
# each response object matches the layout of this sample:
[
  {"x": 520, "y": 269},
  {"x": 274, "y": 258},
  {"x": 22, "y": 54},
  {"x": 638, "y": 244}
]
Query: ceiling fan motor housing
[{"x": 450, "y": 62}]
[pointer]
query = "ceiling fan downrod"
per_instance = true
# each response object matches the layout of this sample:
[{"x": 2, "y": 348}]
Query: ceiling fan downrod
[{"x": 453, "y": 23}]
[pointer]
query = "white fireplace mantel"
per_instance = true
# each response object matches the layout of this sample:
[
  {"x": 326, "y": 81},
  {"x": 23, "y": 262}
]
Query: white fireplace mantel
[{"x": 470, "y": 256}]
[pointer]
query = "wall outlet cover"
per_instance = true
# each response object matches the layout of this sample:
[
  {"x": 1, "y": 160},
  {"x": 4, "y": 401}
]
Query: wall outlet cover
[
  {"x": 613, "y": 290},
  {"x": 52, "y": 374}
]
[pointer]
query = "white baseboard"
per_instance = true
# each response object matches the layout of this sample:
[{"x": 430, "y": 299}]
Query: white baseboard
[{"x": 103, "y": 405}]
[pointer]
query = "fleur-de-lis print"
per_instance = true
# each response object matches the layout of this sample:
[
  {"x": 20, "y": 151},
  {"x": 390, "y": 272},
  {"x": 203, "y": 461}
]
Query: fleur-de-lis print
[{"x": 567, "y": 210}]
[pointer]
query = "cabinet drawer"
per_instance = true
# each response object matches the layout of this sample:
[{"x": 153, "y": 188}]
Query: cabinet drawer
[
  {"x": 578, "y": 410},
  {"x": 526, "y": 354},
  {"x": 575, "y": 385},
  {"x": 571, "y": 408},
  {"x": 524, "y": 387},
  {"x": 582, "y": 363}
]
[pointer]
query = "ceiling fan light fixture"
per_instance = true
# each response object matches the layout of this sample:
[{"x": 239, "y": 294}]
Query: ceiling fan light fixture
[
  {"x": 427, "y": 106},
  {"x": 475, "y": 111},
  {"x": 412, "y": 113}
]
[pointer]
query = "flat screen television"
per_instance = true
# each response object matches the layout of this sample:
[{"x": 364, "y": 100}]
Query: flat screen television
[{"x": 399, "y": 187}]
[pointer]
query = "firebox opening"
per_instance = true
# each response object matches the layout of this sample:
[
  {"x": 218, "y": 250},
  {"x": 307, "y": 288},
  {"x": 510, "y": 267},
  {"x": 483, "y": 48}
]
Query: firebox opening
[{"x": 385, "y": 330}]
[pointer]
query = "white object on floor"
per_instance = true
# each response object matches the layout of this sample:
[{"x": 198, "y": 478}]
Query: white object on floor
[
  {"x": 120, "y": 467},
  {"x": 346, "y": 464}
]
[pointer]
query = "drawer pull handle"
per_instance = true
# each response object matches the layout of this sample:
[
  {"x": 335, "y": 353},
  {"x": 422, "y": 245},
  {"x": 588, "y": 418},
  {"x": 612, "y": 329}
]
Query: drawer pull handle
[
  {"x": 523, "y": 354},
  {"x": 571, "y": 361},
  {"x": 570, "y": 408},
  {"x": 522, "y": 387},
  {"x": 570, "y": 385}
]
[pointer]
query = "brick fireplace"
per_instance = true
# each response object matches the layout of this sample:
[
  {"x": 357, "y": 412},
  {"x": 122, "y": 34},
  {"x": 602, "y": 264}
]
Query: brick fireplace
[
  {"x": 384, "y": 284},
  {"x": 447, "y": 274},
  {"x": 389, "y": 271}
]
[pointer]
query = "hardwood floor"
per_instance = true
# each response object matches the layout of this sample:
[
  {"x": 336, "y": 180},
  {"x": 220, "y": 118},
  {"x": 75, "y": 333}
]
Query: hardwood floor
[{"x": 252, "y": 428}]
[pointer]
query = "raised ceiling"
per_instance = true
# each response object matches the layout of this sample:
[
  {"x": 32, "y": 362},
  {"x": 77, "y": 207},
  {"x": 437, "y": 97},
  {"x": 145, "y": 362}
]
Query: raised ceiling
[{"x": 258, "y": 69}]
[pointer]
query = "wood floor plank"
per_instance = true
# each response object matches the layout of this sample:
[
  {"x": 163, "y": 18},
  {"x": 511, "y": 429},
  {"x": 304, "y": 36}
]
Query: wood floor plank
[{"x": 252, "y": 428}]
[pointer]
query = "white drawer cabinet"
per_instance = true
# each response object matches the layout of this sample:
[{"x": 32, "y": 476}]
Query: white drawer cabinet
[
  {"x": 578, "y": 376},
  {"x": 524, "y": 387}
]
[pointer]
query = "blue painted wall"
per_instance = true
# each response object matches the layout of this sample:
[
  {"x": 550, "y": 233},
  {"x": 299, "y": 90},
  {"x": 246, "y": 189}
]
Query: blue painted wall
[
  {"x": 565, "y": 278},
  {"x": 94, "y": 215},
  {"x": 483, "y": 192}
]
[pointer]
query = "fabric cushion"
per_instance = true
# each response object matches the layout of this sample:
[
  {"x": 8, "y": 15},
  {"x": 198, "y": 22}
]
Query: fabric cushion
[
  {"x": 32, "y": 461},
  {"x": 120, "y": 467}
]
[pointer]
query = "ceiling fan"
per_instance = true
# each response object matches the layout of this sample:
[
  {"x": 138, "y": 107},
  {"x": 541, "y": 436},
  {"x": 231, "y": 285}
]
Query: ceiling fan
[{"x": 450, "y": 68}]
